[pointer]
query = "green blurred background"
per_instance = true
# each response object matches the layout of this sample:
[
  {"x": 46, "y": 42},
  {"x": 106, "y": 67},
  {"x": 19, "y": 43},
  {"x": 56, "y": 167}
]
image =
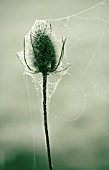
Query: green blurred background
[{"x": 81, "y": 144}]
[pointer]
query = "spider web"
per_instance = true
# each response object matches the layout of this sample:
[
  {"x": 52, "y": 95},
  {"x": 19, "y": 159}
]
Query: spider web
[
  {"x": 69, "y": 91},
  {"x": 84, "y": 52}
]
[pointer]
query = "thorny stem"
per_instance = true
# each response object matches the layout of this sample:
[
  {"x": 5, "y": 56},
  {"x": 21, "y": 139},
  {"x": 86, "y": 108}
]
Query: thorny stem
[{"x": 45, "y": 120}]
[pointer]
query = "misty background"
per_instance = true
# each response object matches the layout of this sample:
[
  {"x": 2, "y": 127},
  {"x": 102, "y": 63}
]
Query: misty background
[{"x": 76, "y": 144}]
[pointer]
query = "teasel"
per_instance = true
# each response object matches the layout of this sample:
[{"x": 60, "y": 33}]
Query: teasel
[{"x": 42, "y": 58}]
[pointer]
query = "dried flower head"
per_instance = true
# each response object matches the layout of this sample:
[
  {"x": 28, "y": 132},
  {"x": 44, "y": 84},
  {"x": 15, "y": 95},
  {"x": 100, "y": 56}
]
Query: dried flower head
[
  {"x": 44, "y": 48},
  {"x": 40, "y": 53}
]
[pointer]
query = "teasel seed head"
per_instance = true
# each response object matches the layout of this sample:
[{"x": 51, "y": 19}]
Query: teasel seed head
[
  {"x": 44, "y": 49},
  {"x": 40, "y": 51}
]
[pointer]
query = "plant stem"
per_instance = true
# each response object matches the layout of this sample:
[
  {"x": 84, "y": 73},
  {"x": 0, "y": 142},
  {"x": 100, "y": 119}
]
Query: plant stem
[{"x": 45, "y": 120}]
